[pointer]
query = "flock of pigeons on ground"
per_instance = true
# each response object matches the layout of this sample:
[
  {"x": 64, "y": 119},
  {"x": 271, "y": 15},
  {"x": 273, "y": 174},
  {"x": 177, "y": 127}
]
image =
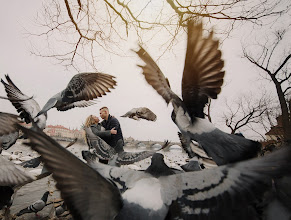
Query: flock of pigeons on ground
[{"x": 225, "y": 178}]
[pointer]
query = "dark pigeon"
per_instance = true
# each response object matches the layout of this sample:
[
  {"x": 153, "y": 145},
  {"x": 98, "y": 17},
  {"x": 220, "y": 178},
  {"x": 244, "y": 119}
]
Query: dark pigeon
[
  {"x": 33, "y": 163},
  {"x": 105, "y": 192},
  {"x": 81, "y": 88},
  {"x": 202, "y": 79}
]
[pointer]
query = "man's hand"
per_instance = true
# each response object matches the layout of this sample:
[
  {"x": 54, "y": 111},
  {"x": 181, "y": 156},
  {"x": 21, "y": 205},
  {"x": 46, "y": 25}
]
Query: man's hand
[{"x": 113, "y": 131}]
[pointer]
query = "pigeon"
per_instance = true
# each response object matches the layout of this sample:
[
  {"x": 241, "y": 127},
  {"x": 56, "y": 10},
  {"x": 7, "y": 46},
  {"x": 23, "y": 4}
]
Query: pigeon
[
  {"x": 81, "y": 88},
  {"x": 140, "y": 113},
  {"x": 99, "y": 191},
  {"x": 202, "y": 79},
  {"x": 115, "y": 157},
  {"x": 11, "y": 174},
  {"x": 192, "y": 165},
  {"x": 8, "y": 140},
  {"x": 8, "y": 123},
  {"x": 33, "y": 163},
  {"x": 37, "y": 206},
  {"x": 61, "y": 209},
  {"x": 9, "y": 131},
  {"x": 28, "y": 108}
]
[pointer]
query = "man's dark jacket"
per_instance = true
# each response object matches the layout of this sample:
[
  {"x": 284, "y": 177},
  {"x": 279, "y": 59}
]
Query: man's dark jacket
[{"x": 112, "y": 122}]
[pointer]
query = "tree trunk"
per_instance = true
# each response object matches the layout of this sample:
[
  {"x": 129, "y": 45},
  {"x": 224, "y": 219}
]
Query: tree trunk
[{"x": 285, "y": 112}]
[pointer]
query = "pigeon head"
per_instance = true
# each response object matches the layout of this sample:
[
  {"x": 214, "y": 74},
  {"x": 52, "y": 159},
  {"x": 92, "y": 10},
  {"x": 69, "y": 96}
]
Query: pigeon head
[
  {"x": 45, "y": 195},
  {"x": 158, "y": 167},
  {"x": 88, "y": 156}
]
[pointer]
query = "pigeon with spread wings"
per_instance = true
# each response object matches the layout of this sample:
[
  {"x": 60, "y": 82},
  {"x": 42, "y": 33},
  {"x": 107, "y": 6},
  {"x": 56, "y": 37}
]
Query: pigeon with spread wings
[
  {"x": 202, "y": 79},
  {"x": 25, "y": 106},
  {"x": 105, "y": 192},
  {"x": 141, "y": 113},
  {"x": 81, "y": 88}
]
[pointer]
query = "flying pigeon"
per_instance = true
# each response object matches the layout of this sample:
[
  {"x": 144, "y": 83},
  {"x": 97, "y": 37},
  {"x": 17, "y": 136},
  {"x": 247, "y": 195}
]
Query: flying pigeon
[
  {"x": 140, "y": 113},
  {"x": 26, "y": 107},
  {"x": 202, "y": 79},
  {"x": 115, "y": 156},
  {"x": 37, "y": 206},
  {"x": 106, "y": 192},
  {"x": 81, "y": 88}
]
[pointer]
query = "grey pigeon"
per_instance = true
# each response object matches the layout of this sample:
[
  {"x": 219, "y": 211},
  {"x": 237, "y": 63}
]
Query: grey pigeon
[
  {"x": 115, "y": 157},
  {"x": 9, "y": 131},
  {"x": 10, "y": 176},
  {"x": 9, "y": 123},
  {"x": 61, "y": 209},
  {"x": 37, "y": 206},
  {"x": 81, "y": 88},
  {"x": 28, "y": 108},
  {"x": 105, "y": 192},
  {"x": 202, "y": 79},
  {"x": 140, "y": 113}
]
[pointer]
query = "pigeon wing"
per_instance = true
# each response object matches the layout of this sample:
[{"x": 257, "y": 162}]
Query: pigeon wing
[
  {"x": 27, "y": 109},
  {"x": 146, "y": 113},
  {"x": 214, "y": 193},
  {"x": 87, "y": 194},
  {"x": 203, "y": 75},
  {"x": 79, "y": 104},
  {"x": 88, "y": 86},
  {"x": 11, "y": 174},
  {"x": 155, "y": 77}
]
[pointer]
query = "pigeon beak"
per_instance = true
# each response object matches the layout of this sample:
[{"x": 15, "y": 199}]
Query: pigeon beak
[{"x": 50, "y": 104}]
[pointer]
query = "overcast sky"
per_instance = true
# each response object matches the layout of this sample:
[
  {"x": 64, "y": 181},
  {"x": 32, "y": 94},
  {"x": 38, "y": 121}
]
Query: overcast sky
[{"x": 42, "y": 78}]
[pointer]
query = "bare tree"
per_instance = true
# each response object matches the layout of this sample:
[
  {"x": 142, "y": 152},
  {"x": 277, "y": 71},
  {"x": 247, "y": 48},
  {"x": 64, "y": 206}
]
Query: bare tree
[
  {"x": 87, "y": 28},
  {"x": 247, "y": 112},
  {"x": 274, "y": 63}
]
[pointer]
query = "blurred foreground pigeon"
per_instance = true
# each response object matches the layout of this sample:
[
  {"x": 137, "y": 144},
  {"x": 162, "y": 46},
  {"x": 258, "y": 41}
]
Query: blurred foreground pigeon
[
  {"x": 105, "y": 192},
  {"x": 202, "y": 79},
  {"x": 115, "y": 156},
  {"x": 198, "y": 155},
  {"x": 37, "y": 206},
  {"x": 81, "y": 88},
  {"x": 10, "y": 175},
  {"x": 140, "y": 113},
  {"x": 25, "y": 106}
]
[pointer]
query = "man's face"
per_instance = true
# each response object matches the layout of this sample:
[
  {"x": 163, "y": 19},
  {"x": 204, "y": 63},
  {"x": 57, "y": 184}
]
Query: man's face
[{"x": 103, "y": 113}]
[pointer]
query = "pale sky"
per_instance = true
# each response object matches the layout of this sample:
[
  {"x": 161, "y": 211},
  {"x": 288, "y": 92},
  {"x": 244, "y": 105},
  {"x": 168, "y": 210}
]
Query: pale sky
[{"x": 42, "y": 78}]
